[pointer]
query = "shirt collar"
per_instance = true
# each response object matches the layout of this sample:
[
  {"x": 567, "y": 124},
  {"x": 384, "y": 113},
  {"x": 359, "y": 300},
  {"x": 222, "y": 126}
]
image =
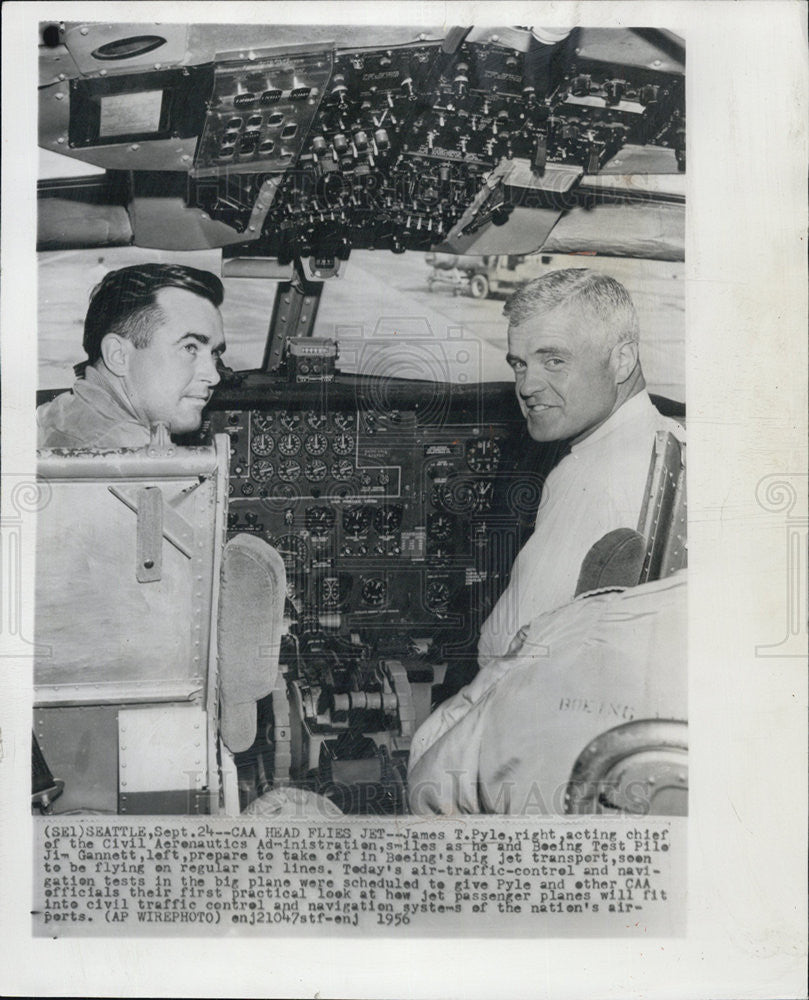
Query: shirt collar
[
  {"x": 636, "y": 408},
  {"x": 103, "y": 383}
]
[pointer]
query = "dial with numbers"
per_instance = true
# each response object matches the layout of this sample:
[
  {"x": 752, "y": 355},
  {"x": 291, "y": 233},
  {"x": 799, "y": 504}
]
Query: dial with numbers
[
  {"x": 262, "y": 422},
  {"x": 289, "y": 444},
  {"x": 482, "y": 454},
  {"x": 342, "y": 470},
  {"x": 262, "y": 444},
  {"x": 374, "y": 591},
  {"x": 290, "y": 420},
  {"x": 289, "y": 470},
  {"x": 388, "y": 519},
  {"x": 439, "y": 527},
  {"x": 484, "y": 489},
  {"x": 357, "y": 520},
  {"x": 343, "y": 444},
  {"x": 320, "y": 520},
  {"x": 315, "y": 470},
  {"x": 263, "y": 470},
  {"x": 437, "y": 595},
  {"x": 316, "y": 420},
  {"x": 344, "y": 421},
  {"x": 316, "y": 444}
]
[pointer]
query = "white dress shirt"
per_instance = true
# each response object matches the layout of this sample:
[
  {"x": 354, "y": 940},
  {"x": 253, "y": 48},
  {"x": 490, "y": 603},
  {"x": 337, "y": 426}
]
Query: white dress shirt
[{"x": 595, "y": 489}]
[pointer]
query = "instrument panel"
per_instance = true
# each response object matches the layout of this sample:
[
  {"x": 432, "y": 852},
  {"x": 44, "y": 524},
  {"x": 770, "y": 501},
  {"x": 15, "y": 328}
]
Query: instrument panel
[
  {"x": 311, "y": 148},
  {"x": 382, "y": 521},
  {"x": 401, "y": 140}
]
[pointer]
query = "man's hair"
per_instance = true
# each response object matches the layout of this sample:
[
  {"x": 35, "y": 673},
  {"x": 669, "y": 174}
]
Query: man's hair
[
  {"x": 125, "y": 302},
  {"x": 598, "y": 295}
]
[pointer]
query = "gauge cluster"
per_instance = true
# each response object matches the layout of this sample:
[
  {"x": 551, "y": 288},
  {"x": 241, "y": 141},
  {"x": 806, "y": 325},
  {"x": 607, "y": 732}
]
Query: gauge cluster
[
  {"x": 400, "y": 140},
  {"x": 381, "y": 521}
]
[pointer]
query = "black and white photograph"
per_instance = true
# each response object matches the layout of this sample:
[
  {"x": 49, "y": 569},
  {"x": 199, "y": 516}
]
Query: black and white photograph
[
  {"x": 364, "y": 360},
  {"x": 373, "y": 509}
]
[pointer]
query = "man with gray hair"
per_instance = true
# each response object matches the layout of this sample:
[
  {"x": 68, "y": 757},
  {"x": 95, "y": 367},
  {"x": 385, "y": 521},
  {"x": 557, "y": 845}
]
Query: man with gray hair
[{"x": 573, "y": 347}]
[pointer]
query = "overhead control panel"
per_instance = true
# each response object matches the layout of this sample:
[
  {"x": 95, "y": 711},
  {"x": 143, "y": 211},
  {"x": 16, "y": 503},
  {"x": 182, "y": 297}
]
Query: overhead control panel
[
  {"x": 260, "y": 111},
  {"x": 312, "y": 149}
]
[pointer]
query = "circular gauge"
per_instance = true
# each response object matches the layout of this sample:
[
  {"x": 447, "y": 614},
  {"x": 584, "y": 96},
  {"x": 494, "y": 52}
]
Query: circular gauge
[
  {"x": 315, "y": 470},
  {"x": 482, "y": 455},
  {"x": 357, "y": 520},
  {"x": 262, "y": 422},
  {"x": 388, "y": 519},
  {"x": 316, "y": 444},
  {"x": 316, "y": 420},
  {"x": 374, "y": 591},
  {"x": 289, "y": 444},
  {"x": 289, "y": 470},
  {"x": 320, "y": 520},
  {"x": 437, "y": 595},
  {"x": 484, "y": 488},
  {"x": 344, "y": 421},
  {"x": 290, "y": 420},
  {"x": 457, "y": 495},
  {"x": 292, "y": 549},
  {"x": 262, "y": 444},
  {"x": 439, "y": 527},
  {"x": 263, "y": 470},
  {"x": 343, "y": 444},
  {"x": 342, "y": 470}
]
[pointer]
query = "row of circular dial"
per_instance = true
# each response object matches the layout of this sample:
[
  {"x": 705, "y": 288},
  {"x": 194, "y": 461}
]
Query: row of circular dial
[
  {"x": 334, "y": 592},
  {"x": 290, "y": 469},
  {"x": 291, "y": 420},
  {"x": 482, "y": 454},
  {"x": 386, "y": 519},
  {"x": 357, "y": 520},
  {"x": 289, "y": 443}
]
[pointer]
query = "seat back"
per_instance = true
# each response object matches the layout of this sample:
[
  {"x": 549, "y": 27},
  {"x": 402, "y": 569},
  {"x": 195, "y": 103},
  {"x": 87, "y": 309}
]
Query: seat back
[
  {"x": 626, "y": 557},
  {"x": 126, "y": 688},
  {"x": 640, "y": 768},
  {"x": 251, "y": 612},
  {"x": 662, "y": 519}
]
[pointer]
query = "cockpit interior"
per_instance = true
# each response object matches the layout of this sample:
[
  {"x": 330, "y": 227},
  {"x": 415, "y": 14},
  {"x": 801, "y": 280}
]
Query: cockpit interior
[{"x": 325, "y": 549}]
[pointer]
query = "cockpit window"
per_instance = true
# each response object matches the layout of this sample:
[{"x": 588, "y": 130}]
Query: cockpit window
[{"x": 412, "y": 316}]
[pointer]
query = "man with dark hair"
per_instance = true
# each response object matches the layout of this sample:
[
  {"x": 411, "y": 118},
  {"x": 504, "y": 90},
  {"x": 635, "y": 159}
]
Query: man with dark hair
[{"x": 153, "y": 336}]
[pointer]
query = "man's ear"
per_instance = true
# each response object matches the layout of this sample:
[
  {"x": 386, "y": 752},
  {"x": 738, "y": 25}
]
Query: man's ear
[
  {"x": 116, "y": 351},
  {"x": 624, "y": 360}
]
